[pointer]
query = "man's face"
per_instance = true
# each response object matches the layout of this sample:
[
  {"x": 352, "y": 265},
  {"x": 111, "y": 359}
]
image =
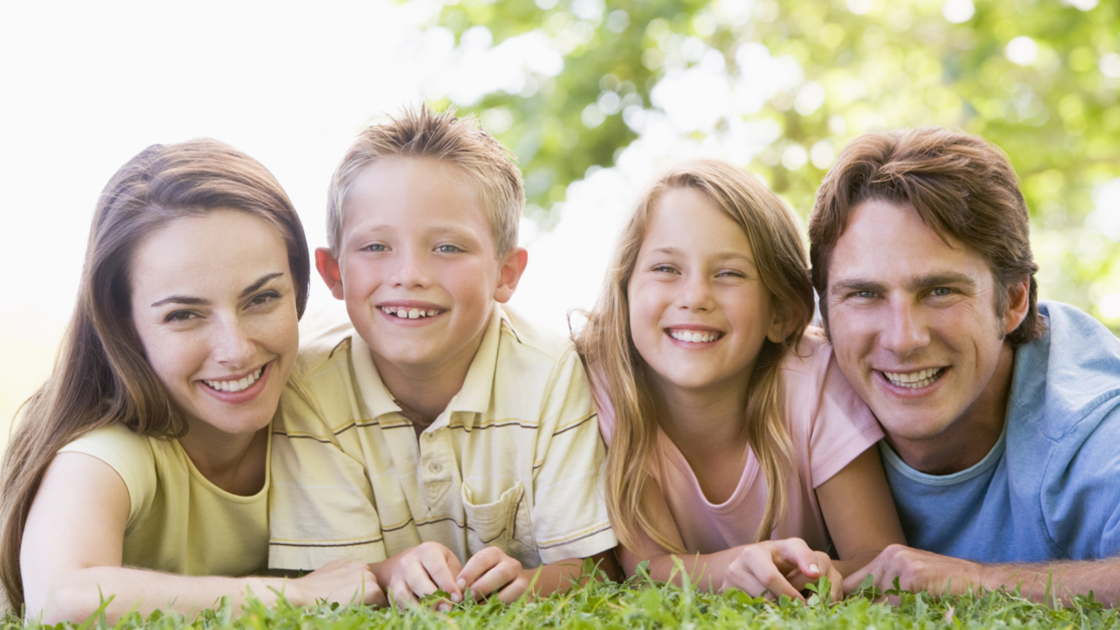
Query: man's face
[{"x": 914, "y": 325}]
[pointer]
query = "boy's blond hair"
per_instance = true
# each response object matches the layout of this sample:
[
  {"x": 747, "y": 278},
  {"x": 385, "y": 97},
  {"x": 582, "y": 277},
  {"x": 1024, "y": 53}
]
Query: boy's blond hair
[{"x": 423, "y": 133}]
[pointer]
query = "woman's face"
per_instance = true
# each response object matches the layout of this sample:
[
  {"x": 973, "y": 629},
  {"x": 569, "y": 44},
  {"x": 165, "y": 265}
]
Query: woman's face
[{"x": 215, "y": 307}]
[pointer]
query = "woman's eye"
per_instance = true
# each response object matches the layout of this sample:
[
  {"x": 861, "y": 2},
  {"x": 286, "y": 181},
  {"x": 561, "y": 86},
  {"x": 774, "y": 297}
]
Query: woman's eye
[
  {"x": 448, "y": 249},
  {"x": 179, "y": 316},
  {"x": 264, "y": 298}
]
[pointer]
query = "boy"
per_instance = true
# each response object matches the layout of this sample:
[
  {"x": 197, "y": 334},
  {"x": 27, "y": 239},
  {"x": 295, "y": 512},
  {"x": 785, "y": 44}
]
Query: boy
[{"x": 447, "y": 442}]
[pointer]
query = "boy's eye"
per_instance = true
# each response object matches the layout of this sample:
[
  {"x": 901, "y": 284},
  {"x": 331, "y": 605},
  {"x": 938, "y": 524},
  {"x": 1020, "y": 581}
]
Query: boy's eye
[
  {"x": 448, "y": 249},
  {"x": 374, "y": 247}
]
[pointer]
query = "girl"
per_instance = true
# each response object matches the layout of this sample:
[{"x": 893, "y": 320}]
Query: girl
[
  {"x": 734, "y": 438},
  {"x": 144, "y": 458}
]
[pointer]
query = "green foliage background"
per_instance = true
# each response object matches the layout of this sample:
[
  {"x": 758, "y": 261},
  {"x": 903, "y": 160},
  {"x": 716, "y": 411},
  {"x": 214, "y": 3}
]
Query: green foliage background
[{"x": 879, "y": 64}]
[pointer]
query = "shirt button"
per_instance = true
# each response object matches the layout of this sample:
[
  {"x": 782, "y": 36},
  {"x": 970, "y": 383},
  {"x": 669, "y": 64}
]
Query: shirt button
[{"x": 434, "y": 467}]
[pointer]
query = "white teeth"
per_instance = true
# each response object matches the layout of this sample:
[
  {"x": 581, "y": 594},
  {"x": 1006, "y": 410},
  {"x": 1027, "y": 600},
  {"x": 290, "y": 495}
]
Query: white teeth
[
  {"x": 408, "y": 313},
  {"x": 914, "y": 380},
  {"x": 694, "y": 337},
  {"x": 235, "y": 386}
]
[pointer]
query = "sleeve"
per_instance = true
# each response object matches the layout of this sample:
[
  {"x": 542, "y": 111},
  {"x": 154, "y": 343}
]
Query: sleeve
[
  {"x": 130, "y": 455},
  {"x": 569, "y": 508},
  {"x": 1081, "y": 500},
  {"x": 840, "y": 425},
  {"x": 321, "y": 504}
]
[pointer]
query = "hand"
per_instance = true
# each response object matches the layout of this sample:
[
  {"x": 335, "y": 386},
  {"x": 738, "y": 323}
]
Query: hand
[
  {"x": 421, "y": 571},
  {"x": 343, "y": 581},
  {"x": 917, "y": 570},
  {"x": 490, "y": 570},
  {"x": 780, "y": 567}
]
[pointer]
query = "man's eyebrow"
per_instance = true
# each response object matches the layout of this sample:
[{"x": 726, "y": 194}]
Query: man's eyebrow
[
  {"x": 260, "y": 283},
  {"x": 852, "y": 285},
  {"x": 188, "y": 300},
  {"x": 940, "y": 279}
]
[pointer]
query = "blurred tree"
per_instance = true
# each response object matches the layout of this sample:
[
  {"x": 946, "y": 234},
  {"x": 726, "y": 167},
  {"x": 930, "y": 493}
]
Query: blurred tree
[{"x": 780, "y": 87}]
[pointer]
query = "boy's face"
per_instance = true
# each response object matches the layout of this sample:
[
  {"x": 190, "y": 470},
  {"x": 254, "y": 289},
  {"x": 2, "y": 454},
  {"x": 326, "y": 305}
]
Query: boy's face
[{"x": 417, "y": 264}]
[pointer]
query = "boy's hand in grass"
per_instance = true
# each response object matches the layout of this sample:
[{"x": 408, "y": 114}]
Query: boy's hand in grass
[
  {"x": 492, "y": 571},
  {"x": 343, "y": 581},
  {"x": 916, "y": 571},
  {"x": 780, "y": 567},
  {"x": 419, "y": 572}
]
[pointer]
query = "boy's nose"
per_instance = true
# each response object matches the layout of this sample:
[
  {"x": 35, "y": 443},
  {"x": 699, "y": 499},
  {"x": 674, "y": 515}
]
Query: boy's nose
[{"x": 411, "y": 271}]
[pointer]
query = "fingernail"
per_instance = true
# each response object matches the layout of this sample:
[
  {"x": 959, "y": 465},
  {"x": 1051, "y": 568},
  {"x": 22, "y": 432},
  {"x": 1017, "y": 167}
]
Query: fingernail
[
  {"x": 814, "y": 568},
  {"x": 444, "y": 608},
  {"x": 455, "y": 597},
  {"x": 462, "y": 583}
]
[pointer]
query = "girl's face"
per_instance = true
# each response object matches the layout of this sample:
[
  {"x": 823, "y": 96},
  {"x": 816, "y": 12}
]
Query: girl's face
[
  {"x": 698, "y": 310},
  {"x": 214, "y": 305}
]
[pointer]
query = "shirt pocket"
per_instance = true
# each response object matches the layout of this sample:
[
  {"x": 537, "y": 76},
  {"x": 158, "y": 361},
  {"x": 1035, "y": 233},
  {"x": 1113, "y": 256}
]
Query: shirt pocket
[{"x": 503, "y": 523}]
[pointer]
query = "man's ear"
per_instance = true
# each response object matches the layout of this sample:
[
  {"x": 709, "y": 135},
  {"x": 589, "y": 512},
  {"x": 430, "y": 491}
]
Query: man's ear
[
  {"x": 1018, "y": 303},
  {"x": 330, "y": 271},
  {"x": 513, "y": 265}
]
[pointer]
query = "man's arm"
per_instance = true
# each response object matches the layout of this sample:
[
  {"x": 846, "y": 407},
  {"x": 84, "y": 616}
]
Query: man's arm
[{"x": 919, "y": 570}]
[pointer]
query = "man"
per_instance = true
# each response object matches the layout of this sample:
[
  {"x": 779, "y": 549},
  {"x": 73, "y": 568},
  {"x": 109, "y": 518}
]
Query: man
[{"x": 1002, "y": 415}]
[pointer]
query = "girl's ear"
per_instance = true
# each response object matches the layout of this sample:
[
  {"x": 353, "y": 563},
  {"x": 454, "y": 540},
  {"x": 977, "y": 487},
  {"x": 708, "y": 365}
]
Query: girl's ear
[{"x": 779, "y": 329}]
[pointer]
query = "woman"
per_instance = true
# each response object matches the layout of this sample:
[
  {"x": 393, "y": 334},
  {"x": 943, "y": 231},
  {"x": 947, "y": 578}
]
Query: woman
[{"x": 144, "y": 458}]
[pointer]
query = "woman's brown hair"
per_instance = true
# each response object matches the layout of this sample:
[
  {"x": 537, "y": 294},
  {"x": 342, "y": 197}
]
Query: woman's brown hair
[
  {"x": 102, "y": 375},
  {"x": 620, "y": 374}
]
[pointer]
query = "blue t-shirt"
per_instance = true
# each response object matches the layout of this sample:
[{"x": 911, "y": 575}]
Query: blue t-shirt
[{"x": 1050, "y": 487}]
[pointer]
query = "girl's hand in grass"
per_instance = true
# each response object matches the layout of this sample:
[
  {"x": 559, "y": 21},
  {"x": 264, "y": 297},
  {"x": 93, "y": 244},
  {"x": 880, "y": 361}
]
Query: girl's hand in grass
[
  {"x": 418, "y": 572},
  {"x": 493, "y": 571},
  {"x": 780, "y": 567},
  {"x": 343, "y": 581}
]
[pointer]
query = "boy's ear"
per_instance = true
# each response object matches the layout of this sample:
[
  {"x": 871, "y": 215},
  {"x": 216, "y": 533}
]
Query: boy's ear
[
  {"x": 329, "y": 270},
  {"x": 513, "y": 265}
]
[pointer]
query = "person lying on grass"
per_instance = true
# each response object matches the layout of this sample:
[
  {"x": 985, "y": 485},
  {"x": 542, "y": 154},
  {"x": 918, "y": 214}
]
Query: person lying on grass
[
  {"x": 139, "y": 471},
  {"x": 447, "y": 441},
  {"x": 1001, "y": 412},
  {"x": 732, "y": 433}
]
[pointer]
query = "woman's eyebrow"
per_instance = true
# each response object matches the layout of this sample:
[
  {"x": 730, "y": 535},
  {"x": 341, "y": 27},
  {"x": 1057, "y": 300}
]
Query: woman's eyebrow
[
  {"x": 260, "y": 283},
  {"x": 197, "y": 301}
]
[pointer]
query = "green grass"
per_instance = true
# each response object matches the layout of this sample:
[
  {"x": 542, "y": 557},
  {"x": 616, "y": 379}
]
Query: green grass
[{"x": 612, "y": 605}]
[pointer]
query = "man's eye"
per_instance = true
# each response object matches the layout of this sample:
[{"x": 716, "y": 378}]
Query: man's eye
[
  {"x": 941, "y": 291},
  {"x": 867, "y": 295},
  {"x": 448, "y": 249}
]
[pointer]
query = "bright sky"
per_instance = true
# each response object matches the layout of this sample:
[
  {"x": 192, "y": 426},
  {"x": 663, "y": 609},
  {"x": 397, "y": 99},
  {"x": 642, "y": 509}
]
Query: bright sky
[{"x": 88, "y": 85}]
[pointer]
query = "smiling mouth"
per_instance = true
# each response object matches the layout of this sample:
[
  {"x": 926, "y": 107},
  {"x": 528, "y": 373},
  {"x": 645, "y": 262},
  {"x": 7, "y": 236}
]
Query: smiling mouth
[
  {"x": 691, "y": 336},
  {"x": 402, "y": 312},
  {"x": 235, "y": 386},
  {"x": 914, "y": 380}
]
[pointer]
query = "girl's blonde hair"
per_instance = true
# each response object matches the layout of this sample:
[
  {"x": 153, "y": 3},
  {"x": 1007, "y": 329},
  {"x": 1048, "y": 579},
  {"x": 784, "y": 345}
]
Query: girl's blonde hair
[
  {"x": 620, "y": 373},
  {"x": 102, "y": 375}
]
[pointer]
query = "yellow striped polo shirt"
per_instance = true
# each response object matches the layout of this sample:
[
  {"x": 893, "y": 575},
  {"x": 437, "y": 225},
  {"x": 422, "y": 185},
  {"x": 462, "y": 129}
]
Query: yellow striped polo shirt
[{"x": 513, "y": 461}]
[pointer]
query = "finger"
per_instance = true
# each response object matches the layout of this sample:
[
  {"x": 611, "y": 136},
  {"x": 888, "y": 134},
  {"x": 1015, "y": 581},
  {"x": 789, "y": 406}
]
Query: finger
[
  {"x": 419, "y": 581},
  {"x": 438, "y": 573},
  {"x": 853, "y": 581},
  {"x": 401, "y": 595},
  {"x": 497, "y": 577},
  {"x": 478, "y": 564},
  {"x": 761, "y": 567},
  {"x": 836, "y": 585},
  {"x": 514, "y": 590},
  {"x": 374, "y": 595}
]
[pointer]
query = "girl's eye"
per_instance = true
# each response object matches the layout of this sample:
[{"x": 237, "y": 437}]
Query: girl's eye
[
  {"x": 179, "y": 316},
  {"x": 731, "y": 273},
  {"x": 448, "y": 249},
  {"x": 264, "y": 298},
  {"x": 663, "y": 269}
]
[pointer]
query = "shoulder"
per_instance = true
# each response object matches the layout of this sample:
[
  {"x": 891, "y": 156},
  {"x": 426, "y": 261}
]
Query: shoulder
[
  {"x": 132, "y": 456},
  {"x": 809, "y": 362},
  {"x": 533, "y": 341},
  {"x": 330, "y": 345}
]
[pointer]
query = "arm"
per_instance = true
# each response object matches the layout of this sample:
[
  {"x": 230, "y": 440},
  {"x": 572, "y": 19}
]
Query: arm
[
  {"x": 773, "y": 567},
  {"x": 859, "y": 511},
  {"x": 73, "y": 548},
  {"x": 919, "y": 570}
]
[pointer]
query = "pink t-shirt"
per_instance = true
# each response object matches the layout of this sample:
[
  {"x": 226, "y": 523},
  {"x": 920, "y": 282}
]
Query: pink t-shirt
[{"x": 829, "y": 426}]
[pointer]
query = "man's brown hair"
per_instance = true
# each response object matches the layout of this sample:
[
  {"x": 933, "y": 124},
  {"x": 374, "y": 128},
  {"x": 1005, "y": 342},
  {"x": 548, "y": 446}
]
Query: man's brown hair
[{"x": 961, "y": 186}]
